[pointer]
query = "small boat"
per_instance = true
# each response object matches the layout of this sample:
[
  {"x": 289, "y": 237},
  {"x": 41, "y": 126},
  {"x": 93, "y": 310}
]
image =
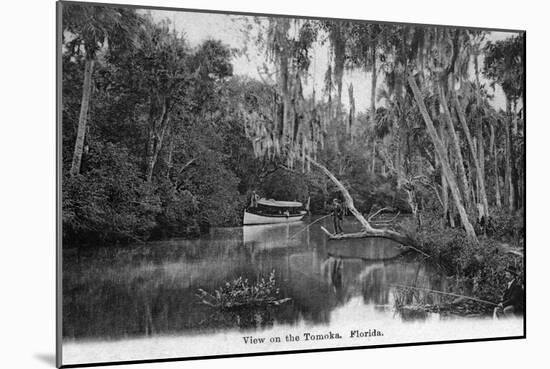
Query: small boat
[{"x": 270, "y": 211}]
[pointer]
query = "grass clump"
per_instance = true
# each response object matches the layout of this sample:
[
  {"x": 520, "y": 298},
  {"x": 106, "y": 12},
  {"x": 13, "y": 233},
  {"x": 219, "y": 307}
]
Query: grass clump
[{"x": 241, "y": 293}]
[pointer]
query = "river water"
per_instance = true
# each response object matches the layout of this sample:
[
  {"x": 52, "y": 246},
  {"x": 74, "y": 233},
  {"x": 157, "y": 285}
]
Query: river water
[{"x": 141, "y": 300}]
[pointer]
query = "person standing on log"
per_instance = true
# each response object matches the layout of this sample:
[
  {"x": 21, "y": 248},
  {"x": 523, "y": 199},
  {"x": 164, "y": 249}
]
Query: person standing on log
[{"x": 337, "y": 216}]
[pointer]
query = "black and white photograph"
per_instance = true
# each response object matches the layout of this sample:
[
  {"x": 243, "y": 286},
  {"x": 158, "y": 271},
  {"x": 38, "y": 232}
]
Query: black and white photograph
[{"x": 238, "y": 184}]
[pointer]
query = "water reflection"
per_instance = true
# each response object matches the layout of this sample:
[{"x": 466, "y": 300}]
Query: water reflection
[{"x": 151, "y": 289}]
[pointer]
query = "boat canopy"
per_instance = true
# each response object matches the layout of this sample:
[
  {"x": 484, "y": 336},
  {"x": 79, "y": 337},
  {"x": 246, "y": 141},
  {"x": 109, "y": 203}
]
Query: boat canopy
[{"x": 279, "y": 204}]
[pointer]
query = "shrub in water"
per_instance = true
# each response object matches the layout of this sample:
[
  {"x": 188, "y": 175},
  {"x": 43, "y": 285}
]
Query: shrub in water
[{"x": 241, "y": 293}]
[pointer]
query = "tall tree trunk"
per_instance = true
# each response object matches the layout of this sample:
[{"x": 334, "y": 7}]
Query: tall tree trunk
[
  {"x": 339, "y": 49},
  {"x": 493, "y": 147},
  {"x": 413, "y": 204},
  {"x": 477, "y": 167},
  {"x": 443, "y": 159},
  {"x": 157, "y": 132},
  {"x": 83, "y": 117},
  {"x": 481, "y": 153},
  {"x": 513, "y": 158},
  {"x": 479, "y": 137},
  {"x": 170, "y": 159},
  {"x": 514, "y": 120},
  {"x": 445, "y": 199},
  {"x": 463, "y": 180},
  {"x": 285, "y": 97},
  {"x": 151, "y": 160},
  {"x": 401, "y": 149},
  {"x": 154, "y": 157},
  {"x": 339, "y": 60},
  {"x": 351, "y": 112},
  {"x": 444, "y": 186},
  {"x": 330, "y": 128},
  {"x": 508, "y": 173},
  {"x": 373, "y": 164},
  {"x": 373, "y": 85},
  {"x": 476, "y": 186}
]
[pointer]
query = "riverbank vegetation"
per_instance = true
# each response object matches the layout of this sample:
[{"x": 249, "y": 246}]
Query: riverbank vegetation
[
  {"x": 161, "y": 138},
  {"x": 475, "y": 269}
]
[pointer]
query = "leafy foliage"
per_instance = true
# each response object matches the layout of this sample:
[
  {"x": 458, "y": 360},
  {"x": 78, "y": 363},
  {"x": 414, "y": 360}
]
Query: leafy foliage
[
  {"x": 175, "y": 143},
  {"x": 240, "y": 293},
  {"x": 503, "y": 64},
  {"x": 89, "y": 28},
  {"x": 109, "y": 202},
  {"x": 477, "y": 267}
]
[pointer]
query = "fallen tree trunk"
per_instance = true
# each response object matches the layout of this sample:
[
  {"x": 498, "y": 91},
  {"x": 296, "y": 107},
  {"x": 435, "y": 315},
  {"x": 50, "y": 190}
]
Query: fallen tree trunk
[
  {"x": 368, "y": 230},
  {"x": 380, "y": 233},
  {"x": 388, "y": 234}
]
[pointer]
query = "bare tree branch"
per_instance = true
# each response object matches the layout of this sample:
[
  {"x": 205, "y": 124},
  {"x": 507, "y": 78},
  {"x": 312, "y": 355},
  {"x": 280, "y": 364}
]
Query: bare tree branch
[{"x": 371, "y": 217}]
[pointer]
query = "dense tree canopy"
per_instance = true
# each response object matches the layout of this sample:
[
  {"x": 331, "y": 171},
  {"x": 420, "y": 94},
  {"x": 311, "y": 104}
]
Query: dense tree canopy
[{"x": 161, "y": 139}]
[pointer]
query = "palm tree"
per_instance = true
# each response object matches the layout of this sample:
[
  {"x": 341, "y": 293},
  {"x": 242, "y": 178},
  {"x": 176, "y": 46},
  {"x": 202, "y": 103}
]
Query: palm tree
[
  {"x": 443, "y": 159},
  {"x": 443, "y": 66},
  {"x": 503, "y": 65},
  {"x": 88, "y": 29}
]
